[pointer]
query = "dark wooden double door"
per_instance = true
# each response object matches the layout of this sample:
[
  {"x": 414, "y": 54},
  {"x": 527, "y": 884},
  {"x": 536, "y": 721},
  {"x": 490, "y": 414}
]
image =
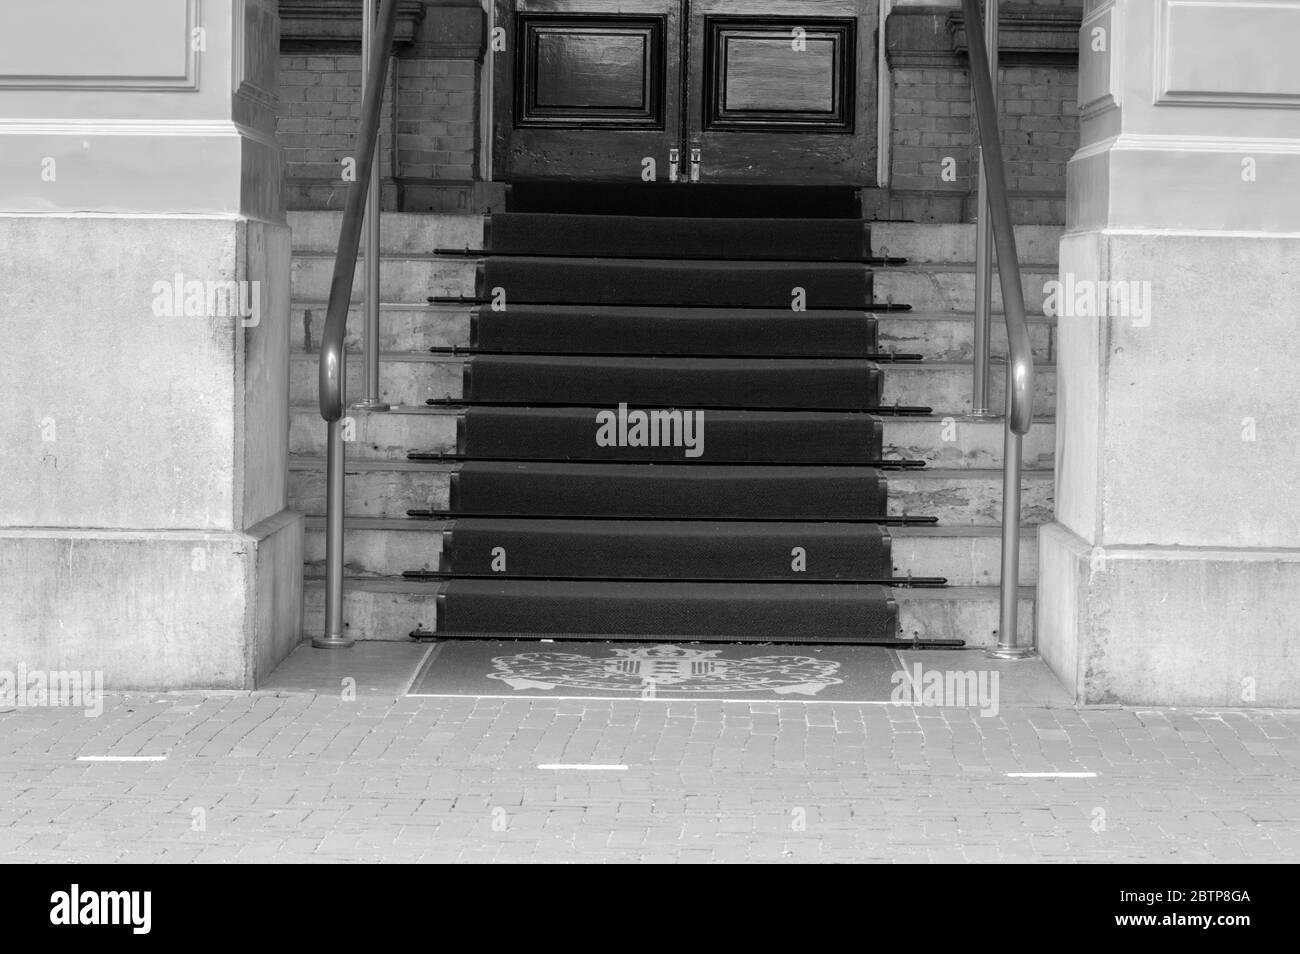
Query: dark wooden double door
[{"x": 738, "y": 91}]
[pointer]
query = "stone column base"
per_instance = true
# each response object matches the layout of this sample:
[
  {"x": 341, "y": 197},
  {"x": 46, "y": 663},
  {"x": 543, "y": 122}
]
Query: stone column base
[
  {"x": 1169, "y": 626},
  {"x": 164, "y": 609}
]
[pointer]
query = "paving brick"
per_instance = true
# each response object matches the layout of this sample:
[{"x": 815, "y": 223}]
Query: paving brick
[{"x": 426, "y": 779}]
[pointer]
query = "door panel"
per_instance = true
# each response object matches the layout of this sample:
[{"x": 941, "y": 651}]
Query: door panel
[
  {"x": 600, "y": 73},
  {"x": 782, "y": 91},
  {"x": 590, "y": 88},
  {"x": 756, "y": 80}
]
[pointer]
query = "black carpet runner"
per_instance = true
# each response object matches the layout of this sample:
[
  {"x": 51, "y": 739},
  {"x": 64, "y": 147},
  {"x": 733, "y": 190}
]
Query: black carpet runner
[
  {"x": 547, "y": 280},
  {"x": 693, "y": 202},
  {"x": 700, "y": 332},
  {"x": 664, "y": 549},
  {"x": 687, "y": 383},
  {"x": 669, "y": 424},
  {"x": 730, "y": 437},
  {"x": 621, "y": 236}
]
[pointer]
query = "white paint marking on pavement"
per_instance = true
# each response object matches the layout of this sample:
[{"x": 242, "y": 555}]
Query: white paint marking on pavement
[
  {"x": 425, "y": 661},
  {"x": 1051, "y": 775},
  {"x": 581, "y": 767},
  {"x": 121, "y": 758}
]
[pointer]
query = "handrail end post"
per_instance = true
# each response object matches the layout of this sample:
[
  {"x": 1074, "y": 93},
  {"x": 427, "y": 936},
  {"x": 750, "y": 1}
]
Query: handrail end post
[
  {"x": 1008, "y": 645},
  {"x": 334, "y": 637}
]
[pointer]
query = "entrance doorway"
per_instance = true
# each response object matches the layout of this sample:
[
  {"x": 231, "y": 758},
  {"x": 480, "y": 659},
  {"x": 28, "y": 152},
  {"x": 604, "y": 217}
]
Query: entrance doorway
[{"x": 717, "y": 91}]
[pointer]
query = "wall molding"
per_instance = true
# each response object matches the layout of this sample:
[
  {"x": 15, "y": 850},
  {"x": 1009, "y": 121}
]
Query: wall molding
[
  {"x": 1101, "y": 101},
  {"x": 1133, "y": 142},
  {"x": 1165, "y": 84},
  {"x": 308, "y": 26},
  {"x": 185, "y": 81},
  {"x": 930, "y": 36},
  {"x": 163, "y": 128}
]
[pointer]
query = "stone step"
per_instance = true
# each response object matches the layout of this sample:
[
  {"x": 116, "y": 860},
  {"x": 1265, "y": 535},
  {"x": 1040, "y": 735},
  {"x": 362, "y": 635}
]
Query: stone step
[
  {"x": 411, "y": 279},
  {"x": 936, "y": 287},
  {"x": 953, "y": 442},
  {"x": 382, "y": 435},
  {"x": 962, "y": 498},
  {"x": 946, "y": 387},
  {"x": 961, "y": 612},
  {"x": 402, "y": 328},
  {"x": 955, "y": 243},
  {"x": 399, "y": 232},
  {"x": 377, "y": 546},
  {"x": 405, "y": 379},
  {"x": 388, "y": 608},
  {"x": 389, "y": 488},
  {"x": 962, "y": 441},
  {"x": 937, "y": 336},
  {"x": 403, "y": 233},
  {"x": 408, "y": 278},
  {"x": 416, "y": 233},
  {"x": 950, "y": 336},
  {"x": 965, "y": 556},
  {"x": 409, "y": 379}
]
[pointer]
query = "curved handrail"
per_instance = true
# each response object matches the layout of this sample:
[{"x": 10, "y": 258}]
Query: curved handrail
[
  {"x": 1020, "y": 357},
  {"x": 332, "y": 353},
  {"x": 354, "y": 210}
]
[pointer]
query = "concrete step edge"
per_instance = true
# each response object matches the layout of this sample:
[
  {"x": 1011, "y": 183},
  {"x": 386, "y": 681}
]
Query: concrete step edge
[
  {"x": 316, "y": 521},
  {"x": 382, "y": 583},
  {"x": 312, "y": 462}
]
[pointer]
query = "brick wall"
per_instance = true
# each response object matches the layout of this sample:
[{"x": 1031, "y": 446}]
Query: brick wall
[
  {"x": 429, "y": 126},
  {"x": 1039, "y": 125},
  {"x": 320, "y": 106},
  {"x": 933, "y": 121},
  {"x": 437, "y": 132},
  {"x": 933, "y": 113}
]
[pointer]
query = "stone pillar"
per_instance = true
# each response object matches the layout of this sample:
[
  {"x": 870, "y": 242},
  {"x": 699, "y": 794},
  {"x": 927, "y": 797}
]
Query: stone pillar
[
  {"x": 1169, "y": 575},
  {"x": 144, "y": 529}
]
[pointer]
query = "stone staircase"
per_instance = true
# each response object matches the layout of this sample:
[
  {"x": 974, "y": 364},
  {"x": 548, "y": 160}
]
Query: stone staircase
[{"x": 961, "y": 484}]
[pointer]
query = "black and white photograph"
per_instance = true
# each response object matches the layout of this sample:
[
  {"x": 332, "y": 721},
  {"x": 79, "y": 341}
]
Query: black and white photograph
[{"x": 651, "y": 432}]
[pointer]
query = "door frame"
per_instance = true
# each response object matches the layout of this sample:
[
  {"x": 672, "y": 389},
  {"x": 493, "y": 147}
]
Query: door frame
[{"x": 498, "y": 68}]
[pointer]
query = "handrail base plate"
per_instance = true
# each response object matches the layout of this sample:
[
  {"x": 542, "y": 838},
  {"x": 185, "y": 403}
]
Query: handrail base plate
[
  {"x": 332, "y": 642},
  {"x": 1011, "y": 652}
]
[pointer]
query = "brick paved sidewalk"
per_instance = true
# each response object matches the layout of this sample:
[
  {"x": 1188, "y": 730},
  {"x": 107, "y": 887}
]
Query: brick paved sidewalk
[{"x": 308, "y": 777}]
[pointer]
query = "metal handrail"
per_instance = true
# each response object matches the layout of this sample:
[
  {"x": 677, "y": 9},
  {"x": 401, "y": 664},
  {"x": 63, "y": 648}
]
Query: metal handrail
[
  {"x": 332, "y": 350},
  {"x": 1020, "y": 358},
  {"x": 370, "y": 328},
  {"x": 983, "y": 337}
]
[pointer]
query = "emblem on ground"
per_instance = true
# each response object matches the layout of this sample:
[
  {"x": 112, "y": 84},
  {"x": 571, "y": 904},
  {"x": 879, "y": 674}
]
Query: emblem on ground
[{"x": 645, "y": 669}]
